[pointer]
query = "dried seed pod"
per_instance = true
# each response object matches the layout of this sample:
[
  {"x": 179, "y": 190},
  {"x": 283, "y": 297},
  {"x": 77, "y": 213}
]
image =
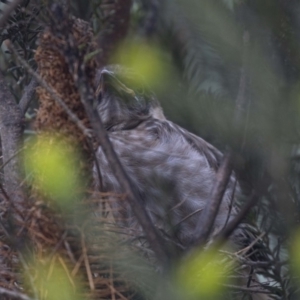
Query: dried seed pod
[{"x": 53, "y": 67}]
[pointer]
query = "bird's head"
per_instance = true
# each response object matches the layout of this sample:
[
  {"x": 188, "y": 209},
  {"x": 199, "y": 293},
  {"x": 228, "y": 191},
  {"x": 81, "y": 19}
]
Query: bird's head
[{"x": 123, "y": 101}]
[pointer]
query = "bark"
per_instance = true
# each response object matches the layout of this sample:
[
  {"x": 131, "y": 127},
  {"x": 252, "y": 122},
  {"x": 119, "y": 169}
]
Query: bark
[
  {"x": 28, "y": 95},
  {"x": 11, "y": 137}
]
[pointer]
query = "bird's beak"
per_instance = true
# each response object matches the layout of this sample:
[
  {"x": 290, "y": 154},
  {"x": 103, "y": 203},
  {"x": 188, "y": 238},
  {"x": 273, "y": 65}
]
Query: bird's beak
[{"x": 108, "y": 79}]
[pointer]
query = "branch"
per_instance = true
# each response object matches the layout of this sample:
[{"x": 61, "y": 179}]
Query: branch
[
  {"x": 28, "y": 94},
  {"x": 13, "y": 294},
  {"x": 228, "y": 230},
  {"x": 241, "y": 215},
  {"x": 206, "y": 222},
  {"x": 11, "y": 137},
  {"x": 245, "y": 289},
  {"x": 7, "y": 12}
]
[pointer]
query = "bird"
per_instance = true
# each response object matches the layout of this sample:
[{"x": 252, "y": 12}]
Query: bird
[{"x": 173, "y": 170}]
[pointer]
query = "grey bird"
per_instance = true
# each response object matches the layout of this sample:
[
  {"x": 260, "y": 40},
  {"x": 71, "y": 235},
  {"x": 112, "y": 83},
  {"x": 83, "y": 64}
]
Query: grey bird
[{"x": 173, "y": 170}]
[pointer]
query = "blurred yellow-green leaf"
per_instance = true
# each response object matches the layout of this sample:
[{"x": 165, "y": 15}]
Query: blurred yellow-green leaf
[
  {"x": 143, "y": 59},
  {"x": 53, "y": 281},
  {"x": 202, "y": 275},
  {"x": 295, "y": 252},
  {"x": 53, "y": 166}
]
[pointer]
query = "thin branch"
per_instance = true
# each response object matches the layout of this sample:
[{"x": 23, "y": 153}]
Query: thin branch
[
  {"x": 249, "y": 290},
  {"x": 28, "y": 94},
  {"x": 11, "y": 137},
  {"x": 206, "y": 222},
  {"x": 13, "y": 294},
  {"x": 7, "y": 12},
  {"x": 241, "y": 215},
  {"x": 3, "y": 191}
]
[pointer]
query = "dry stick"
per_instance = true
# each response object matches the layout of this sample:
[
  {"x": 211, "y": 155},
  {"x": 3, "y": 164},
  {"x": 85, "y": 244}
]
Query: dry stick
[
  {"x": 239, "y": 218},
  {"x": 87, "y": 263},
  {"x": 28, "y": 94},
  {"x": 52, "y": 92},
  {"x": 205, "y": 224},
  {"x": 258, "y": 191},
  {"x": 250, "y": 290},
  {"x": 6, "y": 13},
  {"x": 11, "y": 136},
  {"x": 3, "y": 191}
]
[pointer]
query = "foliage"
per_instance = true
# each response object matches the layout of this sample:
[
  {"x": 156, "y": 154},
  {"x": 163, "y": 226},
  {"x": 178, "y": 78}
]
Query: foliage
[{"x": 193, "y": 54}]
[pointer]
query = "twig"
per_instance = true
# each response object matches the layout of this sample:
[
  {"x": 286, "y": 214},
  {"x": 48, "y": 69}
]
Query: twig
[
  {"x": 87, "y": 264},
  {"x": 8, "y": 160},
  {"x": 92, "y": 150},
  {"x": 232, "y": 197},
  {"x": 14, "y": 294},
  {"x": 28, "y": 94},
  {"x": 189, "y": 216},
  {"x": 206, "y": 222},
  {"x": 240, "y": 217},
  {"x": 77, "y": 266},
  {"x": 249, "y": 290},
  {"x": 4, "y": 193},
  {"x": 248, "y": 262},
  {"x": 7, "y": 12},
  {"x": 11, "y": 137},
  {"x": 58, "y": 245},
  {"x": 111, "y": 285},
  {"x": 246, "y": 249},
  {"x": 115, "y": 291},
  {"x": 67, "y": 271}
]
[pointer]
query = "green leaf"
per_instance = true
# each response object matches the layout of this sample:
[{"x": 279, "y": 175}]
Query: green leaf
[{"x": 53, "y": 166}]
